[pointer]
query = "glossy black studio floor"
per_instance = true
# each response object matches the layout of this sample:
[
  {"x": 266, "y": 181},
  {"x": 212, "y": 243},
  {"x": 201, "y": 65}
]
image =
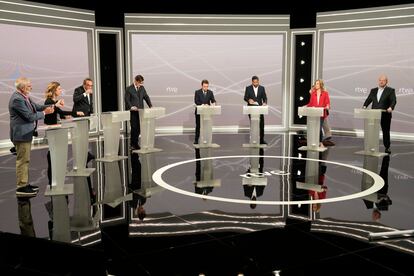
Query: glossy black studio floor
[{"x": 233, "y": 211}]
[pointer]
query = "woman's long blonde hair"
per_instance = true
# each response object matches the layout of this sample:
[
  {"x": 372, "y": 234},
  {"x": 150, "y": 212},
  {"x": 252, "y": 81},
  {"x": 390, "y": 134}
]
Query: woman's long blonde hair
[
  {"x": 321, "y": 84},
  {"x": 51, "y": 89}
]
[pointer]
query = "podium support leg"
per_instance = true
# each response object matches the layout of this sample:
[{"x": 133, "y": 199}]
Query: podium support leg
[
  {"x": 111, "y": 139},
  {"x": 147, "y": 136},
  {"x": 254, "y": 133},
  {"x": 206, "y": 135},
  {"x": 58, "y": 146},
  {"x": 313, "y": 126},
  {"x": 371, "y": 138}
]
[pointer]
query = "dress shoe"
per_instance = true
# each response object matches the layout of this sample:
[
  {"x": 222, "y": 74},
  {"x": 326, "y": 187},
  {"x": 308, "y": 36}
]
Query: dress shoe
[
  {"x": 135, "y": 147},
  {"x": 263, "y": 142},
  {"x": 328, "y": 143},
  {"x": 388, "y": 150}
]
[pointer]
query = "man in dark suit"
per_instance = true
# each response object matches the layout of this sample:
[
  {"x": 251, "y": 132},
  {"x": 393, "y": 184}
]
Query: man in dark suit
[
  {"x": 383, "y": 97},
  {"x": 24, "y": 115},
  {"x": 255, "y": 94},
  {"x": 202, "y": 96},
  {"x": 83, "y": 100},
  {"x": 83, "y": 106},
  {"x": 135, "y": 95}
]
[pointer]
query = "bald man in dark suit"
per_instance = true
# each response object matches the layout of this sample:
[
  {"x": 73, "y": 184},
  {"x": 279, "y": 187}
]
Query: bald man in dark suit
[{"x": 383, "y": 97}]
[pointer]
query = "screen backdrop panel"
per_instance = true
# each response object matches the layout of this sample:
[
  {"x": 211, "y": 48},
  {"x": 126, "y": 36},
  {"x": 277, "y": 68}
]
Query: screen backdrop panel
[
  {"x": 42, "y": 55},
  {"x": 352, "y": 63},
  {"x": 174, "y": 65}
]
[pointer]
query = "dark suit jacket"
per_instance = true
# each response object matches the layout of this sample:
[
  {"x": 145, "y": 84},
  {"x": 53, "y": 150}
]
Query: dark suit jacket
[
  {"x": 81, "y": 103},
  {"x": 261, "y": 95},
  {"x": 200, "y": 99},
  {"x": 136, "y": 98},
  {"x": 23, "y": 117},
  {"x": 248, "y": 190},
  {"x": 388, "y": 98}
]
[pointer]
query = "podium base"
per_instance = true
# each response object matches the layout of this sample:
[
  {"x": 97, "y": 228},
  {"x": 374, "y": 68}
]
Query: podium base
[
  {"x": 54, "y": 191},
  {"x": 254, "y": 146},
  {"x": 371, "y": 153},
  {"x": 109, "y": 159},
  {"x": 84, "y": 172},
  {"x": 147, "y": 150},
  {"x": 201, "y": 146},
  {"x": 319, "y": 149},
  {"x": 115, "y": 202},
  {"x": 91, "y": 224}
]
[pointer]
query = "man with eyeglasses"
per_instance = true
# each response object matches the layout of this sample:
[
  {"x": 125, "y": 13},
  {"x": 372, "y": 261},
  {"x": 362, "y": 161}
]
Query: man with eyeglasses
[
  {"x": 24, "y": 114},
  {"x": 83, "y": 99}
]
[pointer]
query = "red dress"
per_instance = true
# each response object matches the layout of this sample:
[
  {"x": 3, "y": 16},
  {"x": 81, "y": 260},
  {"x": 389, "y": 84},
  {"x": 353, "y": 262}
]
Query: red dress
[{"x": 323, "y": 101}]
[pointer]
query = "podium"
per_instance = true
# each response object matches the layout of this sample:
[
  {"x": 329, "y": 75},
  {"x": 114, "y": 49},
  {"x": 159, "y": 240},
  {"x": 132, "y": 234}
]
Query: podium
[
  {"x": 255, "y": 112},
  {"x": 313, "y": 125},
  {"x": 57, "y": 138},
  {"x": 80, "y": 142},
  {"x": 111, "y": 122},
  {"x": 206, "y": 125},
  {"x": 372, "y": 119},
  {"x": 147, "y": 117},
  {"x": 81, "y": 219}
]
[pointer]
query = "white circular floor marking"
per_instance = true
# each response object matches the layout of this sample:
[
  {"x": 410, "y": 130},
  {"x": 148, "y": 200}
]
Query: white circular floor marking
[{"x": 378, "y": 183}]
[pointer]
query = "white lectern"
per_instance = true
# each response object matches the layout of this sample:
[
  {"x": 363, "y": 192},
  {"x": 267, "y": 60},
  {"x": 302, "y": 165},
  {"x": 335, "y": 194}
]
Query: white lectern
[
  {"x": 81, "y": 219},
  {"x": 313, "y": 125},
  {"x": 147, "y": 117},
  {"x": 111, "y": 122},
  {"x": 57, "y": 138},
  {"x": 80, "y": 142},
  {"x": 255, "y": 112},
  {"x": 206, "y": 125},
  {"x": 372, "y": 119}
]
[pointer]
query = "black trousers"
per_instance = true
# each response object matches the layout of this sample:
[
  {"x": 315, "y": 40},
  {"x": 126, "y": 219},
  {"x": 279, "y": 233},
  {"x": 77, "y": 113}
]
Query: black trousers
[
  {"x": 197, "y": 130},
  {"x": 261, "y": 125},
  {"x": 386, "y": 126},
  {"x": 135, "y": 128}
]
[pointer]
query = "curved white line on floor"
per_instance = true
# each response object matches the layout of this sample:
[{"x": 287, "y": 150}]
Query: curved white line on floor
[{"x": 378, "y": 183}]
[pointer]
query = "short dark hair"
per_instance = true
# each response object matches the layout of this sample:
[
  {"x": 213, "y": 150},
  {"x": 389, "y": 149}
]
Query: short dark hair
[
  {"x": 204, "y": 82},
  {"x": 87, "y": 79},
  {"x": 255, "y": 78},
  {"x": 139, "y": 78}
]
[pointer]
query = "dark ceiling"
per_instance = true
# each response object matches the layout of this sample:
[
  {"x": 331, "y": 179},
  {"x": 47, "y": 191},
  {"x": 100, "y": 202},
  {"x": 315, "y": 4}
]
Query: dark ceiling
[{"x": 303, "y": 13}]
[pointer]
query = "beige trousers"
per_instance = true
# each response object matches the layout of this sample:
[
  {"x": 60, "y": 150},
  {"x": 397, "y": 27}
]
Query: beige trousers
[{"x": 22, "y": 163}]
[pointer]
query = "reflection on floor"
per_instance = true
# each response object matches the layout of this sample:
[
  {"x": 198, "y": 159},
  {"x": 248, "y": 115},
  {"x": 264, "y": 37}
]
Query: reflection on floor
[{"x": 126, "y": 222}]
